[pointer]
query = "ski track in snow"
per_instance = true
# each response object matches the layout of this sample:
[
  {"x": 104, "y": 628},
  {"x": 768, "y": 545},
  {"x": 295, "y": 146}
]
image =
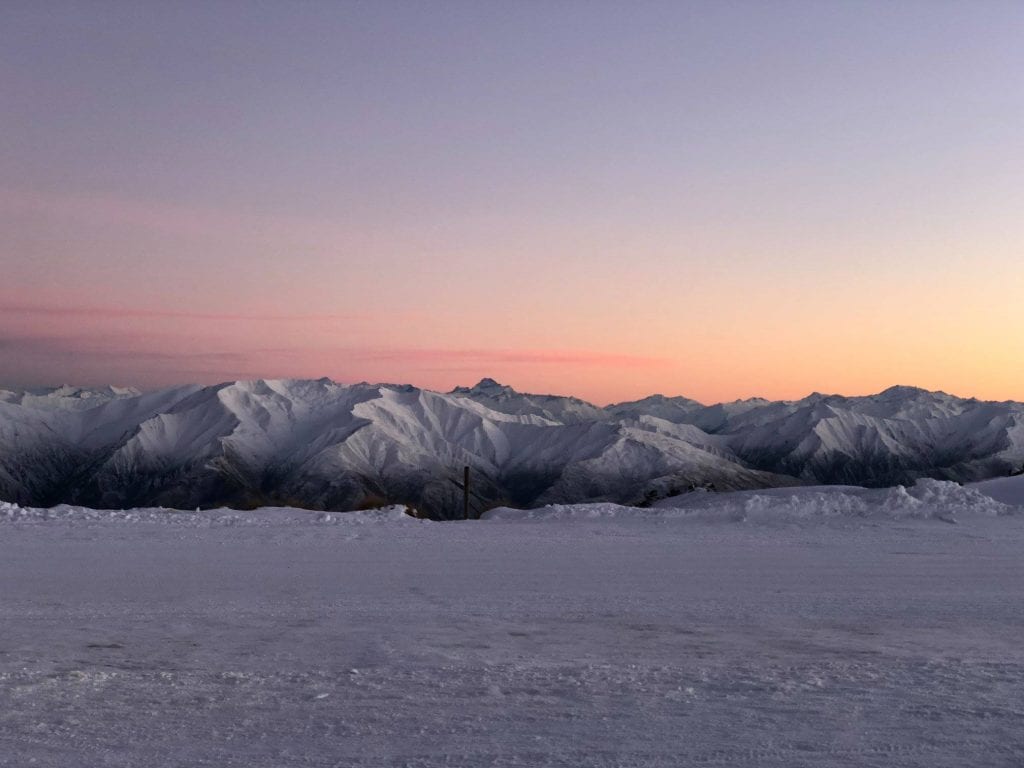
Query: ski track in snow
[{"x": 569, "y": 637}]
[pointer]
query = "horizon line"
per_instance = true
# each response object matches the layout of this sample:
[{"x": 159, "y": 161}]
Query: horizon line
[{"x": 455, "y": 390}]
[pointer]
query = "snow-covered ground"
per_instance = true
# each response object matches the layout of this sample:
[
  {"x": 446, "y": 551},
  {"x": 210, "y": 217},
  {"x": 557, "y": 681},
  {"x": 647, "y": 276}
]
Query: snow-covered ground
[{"x": 824, "y": 627}]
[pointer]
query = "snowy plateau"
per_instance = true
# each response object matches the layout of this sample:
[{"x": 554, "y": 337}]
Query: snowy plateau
[
  {"x": 322, "y": 445},
  {"x": 810, "y": 626}
]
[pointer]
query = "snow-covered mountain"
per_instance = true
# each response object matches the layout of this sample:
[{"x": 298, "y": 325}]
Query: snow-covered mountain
[
  {"x": 554, "y": 409},
  {"x": 326, "y": 445},
  {"x": 66, "y": 396},
  {"x": 893, "y": 437}
]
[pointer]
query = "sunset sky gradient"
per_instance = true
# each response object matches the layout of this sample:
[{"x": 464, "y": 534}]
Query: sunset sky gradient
[{"x": 715, "y": 199}]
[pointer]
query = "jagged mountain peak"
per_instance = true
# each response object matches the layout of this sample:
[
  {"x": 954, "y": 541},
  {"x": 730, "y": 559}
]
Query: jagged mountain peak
[
  {"x": 557, "y": 409},
  {"x": 67, "y": 396},
  {"x": 660, "y": 398},
  {"x": 816, "y": 397},
  {"x": 904, "y": 391},
  {"x": 487, "y": 387},
  {"x": 676, "y": 409},
  {"x": 489, "y": 383}
]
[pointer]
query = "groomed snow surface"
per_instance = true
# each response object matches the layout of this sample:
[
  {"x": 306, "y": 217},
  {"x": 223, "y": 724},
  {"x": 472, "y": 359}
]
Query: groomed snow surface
[{"x": 821, "y": 626}]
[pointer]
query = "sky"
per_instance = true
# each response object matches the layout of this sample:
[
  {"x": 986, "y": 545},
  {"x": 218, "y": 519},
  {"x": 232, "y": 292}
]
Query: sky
[{"x": 714, "y": 199}]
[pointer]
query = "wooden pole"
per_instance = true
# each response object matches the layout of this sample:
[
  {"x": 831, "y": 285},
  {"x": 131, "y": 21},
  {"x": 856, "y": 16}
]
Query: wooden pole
[{"x": 465, "y": 492}]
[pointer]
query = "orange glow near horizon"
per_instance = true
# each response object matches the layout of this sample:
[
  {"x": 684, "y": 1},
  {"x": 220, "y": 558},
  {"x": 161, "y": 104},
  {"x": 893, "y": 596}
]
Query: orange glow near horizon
[
  {"x": 672, "y": 312},
  {"x": 777, "y": 351}
]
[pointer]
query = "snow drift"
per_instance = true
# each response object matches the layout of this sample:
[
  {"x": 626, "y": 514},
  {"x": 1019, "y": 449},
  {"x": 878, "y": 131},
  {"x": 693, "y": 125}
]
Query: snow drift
[
  {"x": 937, "y": 500},
  {"x": 926, "y": 500}
]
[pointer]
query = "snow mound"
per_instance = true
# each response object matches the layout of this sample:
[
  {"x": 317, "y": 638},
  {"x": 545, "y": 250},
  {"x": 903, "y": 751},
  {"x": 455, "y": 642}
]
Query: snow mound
[
  {"x": 568, "y": 512},
  {"x": 926, "y": 500},
  {"x": 213, "y": 518},
  {"x": 393, "y": 514}
]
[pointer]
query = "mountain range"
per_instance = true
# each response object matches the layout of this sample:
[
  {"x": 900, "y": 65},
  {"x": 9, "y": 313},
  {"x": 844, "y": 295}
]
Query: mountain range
[{"x": 325, "y": 445}]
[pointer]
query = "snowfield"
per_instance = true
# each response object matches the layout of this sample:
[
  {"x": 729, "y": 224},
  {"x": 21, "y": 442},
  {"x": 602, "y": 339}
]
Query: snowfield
[{"x": 827, "y": 626}]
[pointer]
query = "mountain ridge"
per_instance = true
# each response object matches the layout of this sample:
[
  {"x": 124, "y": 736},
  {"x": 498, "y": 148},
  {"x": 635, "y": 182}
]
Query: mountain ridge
[{"x": 325, "y": 445}]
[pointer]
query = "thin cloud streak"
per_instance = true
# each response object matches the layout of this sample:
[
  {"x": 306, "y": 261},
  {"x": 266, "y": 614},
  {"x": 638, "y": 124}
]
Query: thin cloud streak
[
  {"x": 169, "y": 218},
  {"x": 137, "y": 358},
  {"x": 117, "y": 313},
  {"x": 506, "y": 356}
]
